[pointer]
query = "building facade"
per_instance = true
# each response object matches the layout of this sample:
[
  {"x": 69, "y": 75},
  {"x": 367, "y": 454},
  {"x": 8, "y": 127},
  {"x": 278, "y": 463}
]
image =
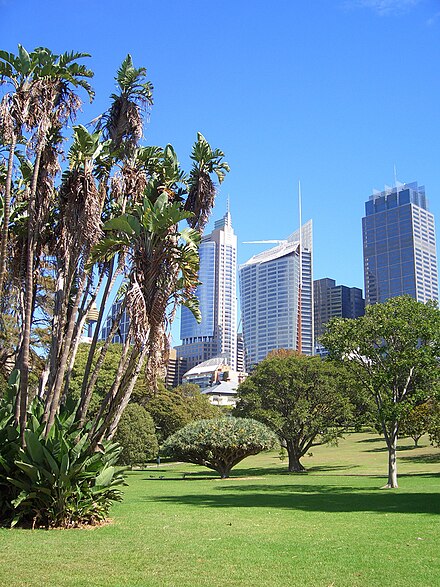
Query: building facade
[
  {"x": 216, "y": 335},
  {"x": 330, "y": 300},
  {"x": 399, "y": 245},
  {"x": 276, "y": 294},
  {"x": 123, "y": 328}
]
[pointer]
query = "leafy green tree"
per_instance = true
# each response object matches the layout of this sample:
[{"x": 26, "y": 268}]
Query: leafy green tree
[
  {"x": 136, "y": 435},
  {"x": 393, "y": 350},
  {"x": 418, "y": 421},
  {"x": 219, "y": 443},
  {"x": 173, "y": 409},
  {"x": 302, "y": 399}
]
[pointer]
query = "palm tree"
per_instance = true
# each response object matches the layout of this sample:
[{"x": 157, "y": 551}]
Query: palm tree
[
  {"x": 202, "y": 190},
  {"x": 123, "y": 121},
  {"x": 42, "y": 100}
]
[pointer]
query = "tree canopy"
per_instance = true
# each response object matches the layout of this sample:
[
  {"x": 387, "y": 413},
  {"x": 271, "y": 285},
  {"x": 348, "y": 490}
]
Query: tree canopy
[
  {"x": 394, "y": 352},
  {"x": 303, "y": 399},
  {"x": 220, "y": 443}
]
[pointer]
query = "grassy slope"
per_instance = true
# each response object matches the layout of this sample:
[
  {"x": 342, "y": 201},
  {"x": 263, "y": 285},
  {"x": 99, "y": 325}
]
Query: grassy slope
[{"x": 331, "y": 527}]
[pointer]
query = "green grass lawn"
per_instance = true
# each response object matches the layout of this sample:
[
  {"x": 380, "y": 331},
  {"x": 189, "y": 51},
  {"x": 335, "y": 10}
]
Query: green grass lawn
[{"x": 333, "y": 526}]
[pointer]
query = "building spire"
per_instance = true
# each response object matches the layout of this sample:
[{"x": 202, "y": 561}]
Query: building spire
[{"x": 227, "y": 216}]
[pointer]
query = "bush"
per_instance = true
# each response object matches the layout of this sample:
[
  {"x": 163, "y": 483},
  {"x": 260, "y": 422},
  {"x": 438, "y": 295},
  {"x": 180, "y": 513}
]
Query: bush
[
  {"x": 219, "y": 443},
  {"x": 173, "y": 409},
  {"x": 55, "y": 481},
  {"x": 136, "y": 435}
]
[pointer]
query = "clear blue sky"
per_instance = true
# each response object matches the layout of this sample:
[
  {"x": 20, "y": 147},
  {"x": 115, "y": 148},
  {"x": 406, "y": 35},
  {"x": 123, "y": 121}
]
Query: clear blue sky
[{"x": 331, "y": 92}]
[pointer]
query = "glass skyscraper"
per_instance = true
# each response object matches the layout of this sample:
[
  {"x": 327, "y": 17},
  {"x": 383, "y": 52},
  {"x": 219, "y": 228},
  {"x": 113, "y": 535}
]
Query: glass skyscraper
[
  {"x": 216, "y": 335},
  {"x": 276, "y": 294},
  {"x": 331, "y": 300},
  {"x": 399, "y": 245}
]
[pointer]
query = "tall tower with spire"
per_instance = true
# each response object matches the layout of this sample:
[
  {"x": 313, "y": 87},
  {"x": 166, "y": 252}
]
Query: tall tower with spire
[{"x": 216, "y": 335}]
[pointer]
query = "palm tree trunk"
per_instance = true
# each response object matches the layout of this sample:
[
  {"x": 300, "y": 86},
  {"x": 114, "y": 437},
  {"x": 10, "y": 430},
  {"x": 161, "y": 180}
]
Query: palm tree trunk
[
  {"x": 111, "y": 394},
  {"x": 53, "y": 398},
  {"x": 28, "y": 302},
  {"x": 6, "y": 212},
  {"x": 86, "y": 393},
  {"x": 117, "y": 416}
]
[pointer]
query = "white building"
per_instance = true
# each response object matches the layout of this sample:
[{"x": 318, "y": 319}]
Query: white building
[
  {"x": 276, "y": 293},
  {"x": 216, "y": 335}
]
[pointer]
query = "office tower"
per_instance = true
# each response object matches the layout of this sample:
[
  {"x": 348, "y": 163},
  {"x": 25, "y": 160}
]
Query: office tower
[
  {"x": 240, "y": 352},
  {"x": 332, "y": 300},
  {"x": 216, "y": 335},
  {"x": 276, "y": 296},
  {"x": 175, "y": 369},
  {"x": 124, "y": 324},
  {"x": 399, "y": 245}
]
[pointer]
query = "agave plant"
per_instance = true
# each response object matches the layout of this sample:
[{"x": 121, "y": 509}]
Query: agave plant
[{"x": 55, "y": 481}]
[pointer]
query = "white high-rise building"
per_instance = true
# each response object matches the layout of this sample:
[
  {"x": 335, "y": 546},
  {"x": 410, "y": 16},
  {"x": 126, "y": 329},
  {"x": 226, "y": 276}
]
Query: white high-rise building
[
  {"x": 216, "y": 335},
  {"x": 276, "y": 294}
]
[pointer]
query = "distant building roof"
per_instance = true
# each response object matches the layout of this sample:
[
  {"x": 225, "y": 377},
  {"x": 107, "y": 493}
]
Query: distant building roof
[
  {"x": 207, "y": 366},
  {"x": 222, "y": 388}
]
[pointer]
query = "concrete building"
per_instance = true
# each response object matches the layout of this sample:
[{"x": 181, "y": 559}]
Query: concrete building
[{"x": 276, "y": 293}]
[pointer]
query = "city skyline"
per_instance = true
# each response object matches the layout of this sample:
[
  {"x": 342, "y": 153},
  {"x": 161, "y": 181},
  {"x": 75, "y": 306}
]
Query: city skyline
[{"x": 335, "y": 94}]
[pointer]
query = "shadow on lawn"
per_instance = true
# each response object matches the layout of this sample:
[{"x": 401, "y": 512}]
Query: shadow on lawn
[
  {"x": 431, "y": 459},
  {"x": 282, "y": 470},
  {"x": 401, "y": 448},
  {"x": 320, "y": 498}
]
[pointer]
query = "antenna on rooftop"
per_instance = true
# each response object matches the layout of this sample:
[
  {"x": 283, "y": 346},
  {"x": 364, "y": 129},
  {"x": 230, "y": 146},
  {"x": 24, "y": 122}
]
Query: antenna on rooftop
[
  {"x": 299, "y": 343},
  {"x": 395, "y": 176}
]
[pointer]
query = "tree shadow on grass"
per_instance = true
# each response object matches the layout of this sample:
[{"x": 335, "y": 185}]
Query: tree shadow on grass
[
  {"x": 282, "y": 470},
  {"x": 400, "y": 448},
  {"x": 319, "y": 498},
  {"x": 371, "y": 440},
  {"x": 430, "y": 459}
]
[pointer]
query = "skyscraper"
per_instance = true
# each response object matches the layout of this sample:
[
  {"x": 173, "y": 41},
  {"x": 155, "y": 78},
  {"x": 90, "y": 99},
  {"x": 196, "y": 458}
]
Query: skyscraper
[
  {"x": 216, "y": 335},
  {"x": 276, "y": 296},
  {"x": 332, "y": 300},
  {"x": 399, "y": 245}
]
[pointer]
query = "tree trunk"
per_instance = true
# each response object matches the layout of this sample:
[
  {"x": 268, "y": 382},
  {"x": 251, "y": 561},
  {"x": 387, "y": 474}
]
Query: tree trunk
[
  {"x": 6, "y": 212},
  {"x": 224, "y": 471},
  {"x": 295, "y": 465},
  {"x": 392, "y": 462},
  {"x": 24, "y": 359}
]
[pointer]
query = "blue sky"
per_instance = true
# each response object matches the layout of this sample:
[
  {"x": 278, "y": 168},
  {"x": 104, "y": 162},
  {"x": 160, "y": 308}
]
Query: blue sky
[{"x": 334, "y": 93}]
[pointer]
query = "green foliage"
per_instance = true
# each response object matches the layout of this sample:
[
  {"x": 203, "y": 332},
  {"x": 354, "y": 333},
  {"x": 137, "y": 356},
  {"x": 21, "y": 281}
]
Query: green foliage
[
  {"x": 174, "y": 409},
  {"x": 220, "y": 443},
  {"x": 303, "y": 399},
  {"x": 55, "y": 481},
  {"x": 106, "y": 375},
  {"x": 434, "y": 423},
  {"x": 393, "y": 351},
  {"x": 136, "y": 435},
  {"x": 418, "y": 420}
]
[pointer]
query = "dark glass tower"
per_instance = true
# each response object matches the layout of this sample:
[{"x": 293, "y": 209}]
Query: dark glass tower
[
  {"x": 331, "y": 300},
  {"x": 399, "y": 245}
]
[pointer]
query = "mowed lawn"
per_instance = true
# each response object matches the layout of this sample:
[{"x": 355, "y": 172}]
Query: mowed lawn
[{"x": 331, "y": 527}]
